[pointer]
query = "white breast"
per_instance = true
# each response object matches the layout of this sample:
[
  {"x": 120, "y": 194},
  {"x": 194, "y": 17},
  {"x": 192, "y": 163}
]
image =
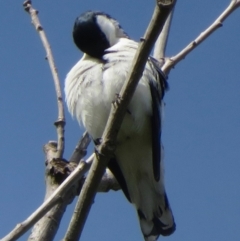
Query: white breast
[{"x": 91, "y": 86}]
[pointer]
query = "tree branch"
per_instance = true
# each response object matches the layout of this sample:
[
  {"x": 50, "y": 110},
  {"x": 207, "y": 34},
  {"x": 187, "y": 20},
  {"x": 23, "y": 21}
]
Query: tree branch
[
  {"x": 56, "y": 197},
  {"x": 57, "y": 170},
  {"x": 116, "y": 116},
  {"x": 171, "y": 62},
  {"x": 69, "y": 188},
  {"x": 161, "y": 43},
  {"x": 81, "y": 148},
  {"x": 60, "y": 123},
  {"x": 108, "y": 182}
]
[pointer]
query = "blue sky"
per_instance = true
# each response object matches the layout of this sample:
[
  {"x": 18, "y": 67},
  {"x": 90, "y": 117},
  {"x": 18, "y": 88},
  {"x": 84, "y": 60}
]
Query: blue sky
[{"x": 201, "y": 133}]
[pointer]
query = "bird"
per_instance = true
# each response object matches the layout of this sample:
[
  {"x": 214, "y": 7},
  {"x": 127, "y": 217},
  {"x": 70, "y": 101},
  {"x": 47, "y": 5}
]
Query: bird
[{"x": 91, "y": 87}]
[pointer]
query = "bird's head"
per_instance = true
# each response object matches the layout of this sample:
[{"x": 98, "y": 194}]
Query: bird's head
[{"x": 94, "y": 32}]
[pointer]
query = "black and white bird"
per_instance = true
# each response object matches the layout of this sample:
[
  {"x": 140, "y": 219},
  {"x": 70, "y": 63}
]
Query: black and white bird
[{"x": 91, "y": 86}]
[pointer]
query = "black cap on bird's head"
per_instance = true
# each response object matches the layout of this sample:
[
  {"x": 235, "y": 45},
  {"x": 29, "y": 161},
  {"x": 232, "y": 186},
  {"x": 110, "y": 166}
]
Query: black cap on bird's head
[{"x": 94, "y": 32}]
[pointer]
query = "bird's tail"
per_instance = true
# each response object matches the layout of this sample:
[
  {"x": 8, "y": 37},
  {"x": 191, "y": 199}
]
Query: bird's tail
[{"x": 159, "y": 222}]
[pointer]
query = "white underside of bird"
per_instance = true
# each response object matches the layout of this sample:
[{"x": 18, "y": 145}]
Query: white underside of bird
[{"x": 91, "y": 86}]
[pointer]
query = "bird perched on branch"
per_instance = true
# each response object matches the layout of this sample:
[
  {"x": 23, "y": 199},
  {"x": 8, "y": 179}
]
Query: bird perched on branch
[{"x": 91, "y": 87}]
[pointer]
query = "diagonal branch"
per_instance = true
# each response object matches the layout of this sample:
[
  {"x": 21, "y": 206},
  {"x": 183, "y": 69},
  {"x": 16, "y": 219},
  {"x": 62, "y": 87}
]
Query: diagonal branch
[
  {"x": 171, "y": 62},
  {"x": 60, "y": 123},
  {"x": 116, "y": 116}
]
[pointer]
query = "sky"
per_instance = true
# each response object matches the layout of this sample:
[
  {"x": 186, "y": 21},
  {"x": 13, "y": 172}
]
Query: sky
[{"x": 201, "y": 132}]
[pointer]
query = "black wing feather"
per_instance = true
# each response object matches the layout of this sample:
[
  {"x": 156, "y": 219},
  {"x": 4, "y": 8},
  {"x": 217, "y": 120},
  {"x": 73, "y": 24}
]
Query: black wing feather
[
  {"x": 115, "y": 169},
  {"x": 156, "y": 131},
  {"x": 161, "y": 77},
  {"x": 157, "y": 89}
]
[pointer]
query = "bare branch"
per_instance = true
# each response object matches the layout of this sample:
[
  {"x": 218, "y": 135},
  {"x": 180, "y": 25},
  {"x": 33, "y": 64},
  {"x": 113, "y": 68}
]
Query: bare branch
[
  {"x": 56, "y": 171},
  {"x": 56, "y": 197},
  {"x": 118, "y": 110},
  {"x": 108, "y": 182},
  {"x": 161, "y": 43},
  {"x": 63, "y": 194},
  {"x": 60, "y": 123},
  {"x": 171, "y": 62},
  {"x": 81, "y": 148}
]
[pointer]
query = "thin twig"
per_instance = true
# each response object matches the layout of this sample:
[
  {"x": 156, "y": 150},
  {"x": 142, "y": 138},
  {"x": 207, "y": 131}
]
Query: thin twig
[
  {"x": 81, "y": 148},
  {"x": 116, "y": 116},
  {"x": 60, "y": 123},
  {"x": 171, "y": 62}
]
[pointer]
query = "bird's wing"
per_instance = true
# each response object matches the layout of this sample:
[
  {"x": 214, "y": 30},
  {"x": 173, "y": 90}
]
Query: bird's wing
[
  {"x": 157, "y": 85},
  {"x": 115, "y": 169},
  {"x": 156, "y": 130}
]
